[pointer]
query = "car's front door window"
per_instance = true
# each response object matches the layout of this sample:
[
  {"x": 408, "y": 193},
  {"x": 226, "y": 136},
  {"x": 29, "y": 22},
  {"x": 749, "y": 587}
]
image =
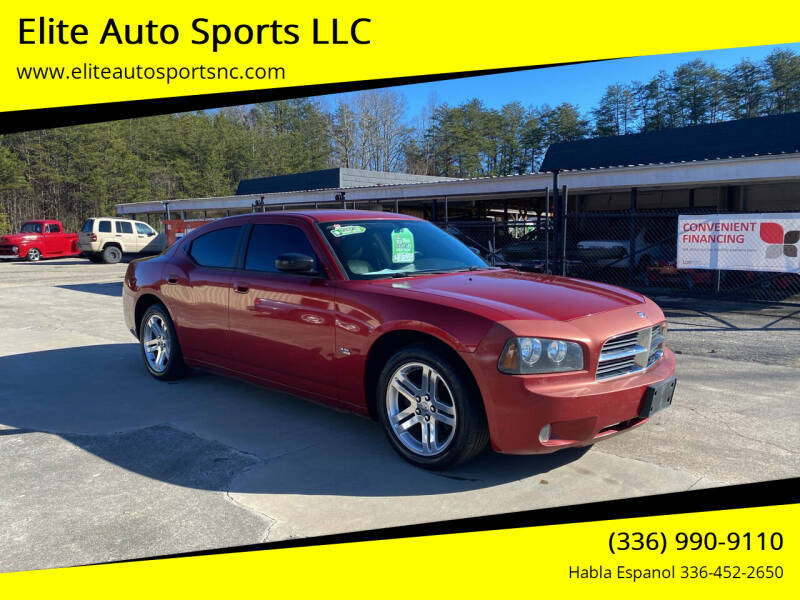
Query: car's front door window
[{"x": 268, "y": 242}]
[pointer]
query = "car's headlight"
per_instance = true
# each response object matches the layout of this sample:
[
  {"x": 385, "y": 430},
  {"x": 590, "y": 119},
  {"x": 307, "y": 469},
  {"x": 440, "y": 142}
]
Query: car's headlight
[
  {"x": 525, "y": 355},
  {"x": 15, "y": 249}
]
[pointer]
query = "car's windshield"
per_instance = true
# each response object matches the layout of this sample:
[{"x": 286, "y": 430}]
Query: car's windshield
[
  {"x": 31, "y": 228},
  {"x": 377, "y": 248}
]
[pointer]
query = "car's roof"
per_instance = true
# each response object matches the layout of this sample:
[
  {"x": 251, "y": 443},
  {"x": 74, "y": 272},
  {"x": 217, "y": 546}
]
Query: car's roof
[
  {"x": 113, "y": 219},
  {"x": 328, "y": 215}
]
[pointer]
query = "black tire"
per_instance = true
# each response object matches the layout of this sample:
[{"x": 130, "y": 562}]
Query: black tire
[
  {"x": 470, "y": 434},
  {"x": 33, "y": 255},
  {"x": 174, "y": 367},
  {"x": 112, "y": 254}
]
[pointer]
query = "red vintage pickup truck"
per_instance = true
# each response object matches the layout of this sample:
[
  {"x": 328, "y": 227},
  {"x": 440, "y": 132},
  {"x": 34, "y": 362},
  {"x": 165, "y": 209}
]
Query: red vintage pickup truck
[{"x": 39, "y": 239}]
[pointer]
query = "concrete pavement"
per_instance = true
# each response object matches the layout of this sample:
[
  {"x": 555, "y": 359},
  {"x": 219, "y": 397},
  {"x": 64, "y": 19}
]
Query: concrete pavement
[{"x": 101, "y": 462}]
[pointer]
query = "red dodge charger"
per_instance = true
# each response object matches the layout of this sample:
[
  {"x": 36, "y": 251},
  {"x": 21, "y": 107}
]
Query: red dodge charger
[{"x": 391, "y": 317}]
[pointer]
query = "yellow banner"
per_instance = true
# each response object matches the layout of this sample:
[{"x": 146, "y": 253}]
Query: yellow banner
[
  {"x": 731, "y": 554},
  {"x": 54, "y": 53}
]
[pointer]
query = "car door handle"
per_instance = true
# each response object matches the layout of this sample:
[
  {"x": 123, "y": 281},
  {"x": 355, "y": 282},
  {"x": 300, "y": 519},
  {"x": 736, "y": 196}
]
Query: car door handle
[{"x": 240, "y": 289}]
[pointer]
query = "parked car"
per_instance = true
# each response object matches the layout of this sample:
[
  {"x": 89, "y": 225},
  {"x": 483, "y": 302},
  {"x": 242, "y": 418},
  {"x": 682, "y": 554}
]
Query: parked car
[
  {"x": 665, "y": 273},
  {"x": 105, "y": 239},
  {"x": 529, "y": 253},
  {"x": 611, "y": 246},
  {"x": 482, "y": 236},
  {"x": 39, "y": 239},
  {"x": 388, "y": 316}
]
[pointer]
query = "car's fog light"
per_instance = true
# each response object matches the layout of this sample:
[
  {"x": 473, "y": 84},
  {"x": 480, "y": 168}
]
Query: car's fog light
[
  {"x": 544, "y": 434},
  {"x": 15, "y": 249}
]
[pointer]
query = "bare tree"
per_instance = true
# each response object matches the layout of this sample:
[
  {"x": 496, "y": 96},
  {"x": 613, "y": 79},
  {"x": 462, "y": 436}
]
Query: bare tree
[{"x": 368, "y": 131}]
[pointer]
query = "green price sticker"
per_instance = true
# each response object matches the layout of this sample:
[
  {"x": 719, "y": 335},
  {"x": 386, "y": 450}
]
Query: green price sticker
[
  {"x": 339, "y": 231},
  {"x": 402, "y": 246}
]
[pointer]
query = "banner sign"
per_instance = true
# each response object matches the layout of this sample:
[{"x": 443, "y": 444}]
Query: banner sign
[{"x": 740, "y": 242}]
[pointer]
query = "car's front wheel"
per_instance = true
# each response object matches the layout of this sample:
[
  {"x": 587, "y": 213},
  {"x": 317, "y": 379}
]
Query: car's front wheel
[
  {"x": 160, "y": 348},
  {"x": 431, "y": 409},
  {"x": 33, "y": 255}
]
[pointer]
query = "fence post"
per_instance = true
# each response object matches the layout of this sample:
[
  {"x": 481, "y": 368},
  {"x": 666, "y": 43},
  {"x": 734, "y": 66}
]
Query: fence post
[
  {"x": 632, "y": 240},
  {"x": 166, "y": 208},
  {"x": 564, "y": 231},
  {"x": 493, "y": 247},
  {"x": 724, "y": 206},
  {"x": 546, "y": 230},
  {"x": 556, "y": 214}
]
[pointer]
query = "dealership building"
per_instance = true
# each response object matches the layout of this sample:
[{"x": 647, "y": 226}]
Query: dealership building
[
  {"x": 750, "y": 165},
  {"x": 746, "y": 165}
]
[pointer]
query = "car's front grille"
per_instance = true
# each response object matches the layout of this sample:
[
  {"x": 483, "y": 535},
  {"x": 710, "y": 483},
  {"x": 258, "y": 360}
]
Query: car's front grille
[{"x": 630, "y": 352}]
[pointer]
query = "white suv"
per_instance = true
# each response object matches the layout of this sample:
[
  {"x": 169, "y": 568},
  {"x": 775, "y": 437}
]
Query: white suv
[{"x": 105, "y": 239}]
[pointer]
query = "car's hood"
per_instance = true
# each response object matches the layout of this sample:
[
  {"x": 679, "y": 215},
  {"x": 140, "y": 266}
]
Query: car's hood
[
  {"x": 13, "y": 238},
  {"x": 510, "y": 294}
]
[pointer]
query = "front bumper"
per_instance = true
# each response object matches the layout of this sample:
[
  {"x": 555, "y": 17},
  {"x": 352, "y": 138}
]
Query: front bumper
[{"x": 579, "y": 409}]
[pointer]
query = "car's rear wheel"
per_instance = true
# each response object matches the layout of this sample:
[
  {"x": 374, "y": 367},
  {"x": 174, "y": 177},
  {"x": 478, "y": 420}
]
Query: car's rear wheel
[
  {"x": 160, "y": 348},
  {"x": 112, "y": 254},
  {"x": 430, "y": 409},
  {"x": 33, "y": 255}
]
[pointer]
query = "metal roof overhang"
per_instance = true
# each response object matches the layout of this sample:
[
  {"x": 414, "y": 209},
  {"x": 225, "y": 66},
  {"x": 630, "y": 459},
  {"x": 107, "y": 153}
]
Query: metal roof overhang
[{"x": 756, "y": 169}]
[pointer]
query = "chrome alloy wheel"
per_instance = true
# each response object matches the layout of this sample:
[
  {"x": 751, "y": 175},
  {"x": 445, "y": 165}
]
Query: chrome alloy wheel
[
  {"x": 421, "y": 409},
  {"x": 156, "y": 343}
]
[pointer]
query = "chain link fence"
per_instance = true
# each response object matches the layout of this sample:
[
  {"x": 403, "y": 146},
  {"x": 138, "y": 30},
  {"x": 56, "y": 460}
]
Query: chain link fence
[{"x": 630, "y": 249}]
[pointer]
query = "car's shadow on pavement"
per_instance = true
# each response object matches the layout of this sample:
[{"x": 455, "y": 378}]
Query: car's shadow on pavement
[
  {"x": 104, "y": 289},
  {"x": 192, "y": 432},
  {"x": 64, "y": 262}
]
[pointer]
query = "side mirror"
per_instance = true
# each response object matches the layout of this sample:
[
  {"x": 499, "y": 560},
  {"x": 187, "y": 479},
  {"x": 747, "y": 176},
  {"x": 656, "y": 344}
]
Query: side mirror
[
  {"x": 152, "y": 233},
  {"x": 292, "y": 262}
]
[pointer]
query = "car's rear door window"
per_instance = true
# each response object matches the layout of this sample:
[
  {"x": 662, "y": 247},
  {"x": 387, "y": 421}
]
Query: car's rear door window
[
  {"x": 216, "y": 248},
  {"x": 124, "y": 227},
  {"x": 268, "y": 242},
  {"x": 104, "y": 227}
]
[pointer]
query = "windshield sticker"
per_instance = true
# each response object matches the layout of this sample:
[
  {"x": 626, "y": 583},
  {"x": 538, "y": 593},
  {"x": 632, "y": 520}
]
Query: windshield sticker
[
  {"x": 402, "y": 246},
  {"x": 339, "y": 231}
]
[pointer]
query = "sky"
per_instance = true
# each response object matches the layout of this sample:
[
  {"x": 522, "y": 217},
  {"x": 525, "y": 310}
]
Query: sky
[{"x": 582, "y": 84}]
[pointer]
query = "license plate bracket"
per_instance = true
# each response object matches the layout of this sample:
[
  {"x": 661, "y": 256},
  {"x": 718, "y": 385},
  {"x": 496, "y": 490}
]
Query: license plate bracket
[{"x": 658, "y": 397}]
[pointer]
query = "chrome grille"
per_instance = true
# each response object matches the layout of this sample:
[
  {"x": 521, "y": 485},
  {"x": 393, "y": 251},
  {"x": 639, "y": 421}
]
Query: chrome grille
[{"x": 630, "y": 352}]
